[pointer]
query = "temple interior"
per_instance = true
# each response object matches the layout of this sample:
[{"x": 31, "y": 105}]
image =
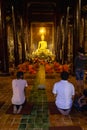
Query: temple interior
[{"x": 41, "y": 39}]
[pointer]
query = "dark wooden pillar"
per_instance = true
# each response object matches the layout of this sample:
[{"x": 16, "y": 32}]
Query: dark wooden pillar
[
  {"x": 58, "y": 43},
  {"x": 57, "y": 46},
  {"x": 55, "y": 36},
  {"x": 82, "y": 32},
  {"x": 4, "y": 60},
  {"x": 85, "y": 33},
  {"x": 16, "y": 49},
  {"x": 61, "y": 38},
  {"x": 22, "y": 40},
  {"x": 27, "y": 27},
  {"x": 76, "y": 28},
  {"x": 66, "y": 36}
]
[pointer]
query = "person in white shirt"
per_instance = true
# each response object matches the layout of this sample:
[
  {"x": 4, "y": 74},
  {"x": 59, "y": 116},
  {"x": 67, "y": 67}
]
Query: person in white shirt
[
  {"x": 18, "y": 88},
  {"x": 64, "y": 92}
]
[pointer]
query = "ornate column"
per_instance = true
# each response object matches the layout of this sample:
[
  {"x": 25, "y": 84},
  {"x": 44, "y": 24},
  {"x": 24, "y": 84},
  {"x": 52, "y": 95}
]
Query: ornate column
[
  {"x": 66, "y": 36},
  {"x": 16, "y": 49},
  {"x": 22, "y": 39},
  {"x": 27, "y": 28},
  {"x": 85, "y": 32},
  {"x": 55, "y": 36},
  {"x": 76, "y": 28},
  {"x": 57, "y": 46},
  {"x": 61, "y": 39},
  {"x": 4, "y": 60}
]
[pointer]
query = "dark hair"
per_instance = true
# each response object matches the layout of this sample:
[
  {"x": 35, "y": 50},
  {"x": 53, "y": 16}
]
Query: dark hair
[
  {"x": 64, "y": 75},
  {"x": 81, "y": 50},
  {"x": 85, "y": 92},
  {"x": 19, "y": 74}
]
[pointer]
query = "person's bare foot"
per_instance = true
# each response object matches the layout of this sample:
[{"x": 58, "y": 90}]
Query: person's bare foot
[
  {"x": 19, "y": 109},
  {"x": 14, "y": 109}
]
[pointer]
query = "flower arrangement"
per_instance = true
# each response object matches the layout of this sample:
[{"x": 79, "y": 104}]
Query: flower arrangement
[
  {"x": 27, "y": 67},
  {"x": 59, "y": 68},
  {"x": 48, "y": 68}
]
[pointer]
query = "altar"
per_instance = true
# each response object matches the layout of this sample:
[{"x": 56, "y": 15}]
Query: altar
[{"x": 44, "y": 49}]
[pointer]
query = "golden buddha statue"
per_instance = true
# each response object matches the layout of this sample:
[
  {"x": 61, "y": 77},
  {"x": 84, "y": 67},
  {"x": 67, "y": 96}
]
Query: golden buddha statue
[
  {"x": 42, "y": 44},
  {"x": 42, "y": 48}
]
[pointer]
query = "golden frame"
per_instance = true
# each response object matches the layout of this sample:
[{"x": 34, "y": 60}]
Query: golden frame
[{"x": 36, "y": 36}]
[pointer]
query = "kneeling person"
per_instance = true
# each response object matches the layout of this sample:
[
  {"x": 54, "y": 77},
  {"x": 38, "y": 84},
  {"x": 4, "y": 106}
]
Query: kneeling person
[
  {"x": 64, "y": 93},
  {"x": 18, "y": 88}
]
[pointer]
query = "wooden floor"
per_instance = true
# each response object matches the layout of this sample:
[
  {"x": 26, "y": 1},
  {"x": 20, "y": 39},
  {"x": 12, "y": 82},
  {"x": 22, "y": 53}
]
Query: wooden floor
[{"x": 39, "y": 92}]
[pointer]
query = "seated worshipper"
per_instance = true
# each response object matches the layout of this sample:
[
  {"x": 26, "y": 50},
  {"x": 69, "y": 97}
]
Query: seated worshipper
[
  {"x": 80, "y": 103},
  {"x": 64, "y": 92},
  {"x": 18, "y": 88}
]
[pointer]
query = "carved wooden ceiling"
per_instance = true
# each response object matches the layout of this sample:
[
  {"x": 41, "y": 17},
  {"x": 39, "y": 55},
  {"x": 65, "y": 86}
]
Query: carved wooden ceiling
[{"x": 37, "y": 9}]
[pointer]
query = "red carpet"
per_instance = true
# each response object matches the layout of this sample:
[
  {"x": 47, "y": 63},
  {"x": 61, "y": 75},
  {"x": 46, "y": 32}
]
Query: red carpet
[
  {"x": 31, "y": 76},
  {"x": 66, "y": 128},
  {"x": 1, "y": 104},
  {"x": 50, "y": 76},
  {"x": 53, "y": 109},
  {"x": 30, "y": 81},
  {"x": 27, "y": 108}
]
